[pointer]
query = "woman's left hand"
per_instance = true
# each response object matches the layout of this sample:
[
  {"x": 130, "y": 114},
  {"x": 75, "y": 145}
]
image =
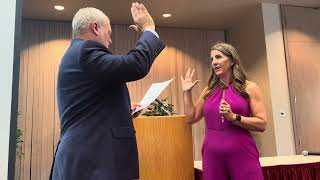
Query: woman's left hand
[{"x": 226, "y": 111}]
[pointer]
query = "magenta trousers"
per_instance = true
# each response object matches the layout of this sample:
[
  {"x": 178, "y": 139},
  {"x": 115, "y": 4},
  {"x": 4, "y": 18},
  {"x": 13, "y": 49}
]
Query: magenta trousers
[{"x": 230, "y": 155}]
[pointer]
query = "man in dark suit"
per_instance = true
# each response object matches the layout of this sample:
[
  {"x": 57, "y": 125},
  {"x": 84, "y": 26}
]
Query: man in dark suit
[{"x": 97, "y": 135}]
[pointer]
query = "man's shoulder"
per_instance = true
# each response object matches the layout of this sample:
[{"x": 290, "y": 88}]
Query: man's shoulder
[
  {"x": 83, "y": 48},
  {"x": 80, "y": 43}
]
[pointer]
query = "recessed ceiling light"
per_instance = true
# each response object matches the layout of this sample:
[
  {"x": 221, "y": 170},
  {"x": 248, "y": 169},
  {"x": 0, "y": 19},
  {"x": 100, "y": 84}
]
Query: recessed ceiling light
[
  {"x": 59, "y": 8},
  {"x": 166, "y": 15}
]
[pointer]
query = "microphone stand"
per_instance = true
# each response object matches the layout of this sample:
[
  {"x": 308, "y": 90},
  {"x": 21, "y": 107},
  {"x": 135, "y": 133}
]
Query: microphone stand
[
  {"x": 224, "y": 86},
  {"x": 161, "y": 106}
]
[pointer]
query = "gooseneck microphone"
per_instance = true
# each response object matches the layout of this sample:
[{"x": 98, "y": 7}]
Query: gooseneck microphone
[{"x": 310, "y": 153}]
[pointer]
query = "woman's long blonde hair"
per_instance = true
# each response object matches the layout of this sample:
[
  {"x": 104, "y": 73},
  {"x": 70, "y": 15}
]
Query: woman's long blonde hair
[{"x": 239, "y": 76}]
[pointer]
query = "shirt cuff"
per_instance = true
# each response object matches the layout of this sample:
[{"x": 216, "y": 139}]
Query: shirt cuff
[{"x": 153, "y": 32}]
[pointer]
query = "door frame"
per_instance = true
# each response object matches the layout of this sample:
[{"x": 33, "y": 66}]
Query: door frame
[{"x": 15, "y": 91}]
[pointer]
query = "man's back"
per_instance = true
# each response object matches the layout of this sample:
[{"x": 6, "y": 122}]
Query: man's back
[{"x": 83, "y": 95}]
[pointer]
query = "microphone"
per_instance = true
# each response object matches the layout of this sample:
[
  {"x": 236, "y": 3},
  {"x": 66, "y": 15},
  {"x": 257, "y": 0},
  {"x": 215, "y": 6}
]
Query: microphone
[
  {"x": 310, "y": 153},
  {"x": 162, "y": 106}
]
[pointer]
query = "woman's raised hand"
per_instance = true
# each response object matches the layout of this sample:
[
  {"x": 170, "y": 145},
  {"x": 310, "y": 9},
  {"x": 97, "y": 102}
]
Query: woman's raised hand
[{"x": 186, "y": 82}]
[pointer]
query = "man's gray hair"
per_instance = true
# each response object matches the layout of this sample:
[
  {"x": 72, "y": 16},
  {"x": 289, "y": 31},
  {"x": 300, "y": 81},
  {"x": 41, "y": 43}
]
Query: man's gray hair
[{"x": 84, "y": 17}]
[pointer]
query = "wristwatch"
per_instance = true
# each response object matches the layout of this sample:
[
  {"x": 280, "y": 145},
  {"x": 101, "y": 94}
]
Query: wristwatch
[{"x": 238, "y": 119}]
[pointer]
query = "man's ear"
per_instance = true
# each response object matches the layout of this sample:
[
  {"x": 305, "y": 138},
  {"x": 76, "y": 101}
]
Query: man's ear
[{"x": 94, "y": 28}]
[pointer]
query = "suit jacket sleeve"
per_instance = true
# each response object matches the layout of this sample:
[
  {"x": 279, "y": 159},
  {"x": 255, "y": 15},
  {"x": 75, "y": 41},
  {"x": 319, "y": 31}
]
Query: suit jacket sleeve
[{"x": 98, "y": 61}]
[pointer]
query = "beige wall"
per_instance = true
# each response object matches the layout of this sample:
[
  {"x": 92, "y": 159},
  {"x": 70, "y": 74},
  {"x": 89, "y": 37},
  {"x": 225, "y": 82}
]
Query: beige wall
[
  {"x": 278, "y": 76},
  {"x": 302, "y": 41},
  {"x": 247, "y": 36}
]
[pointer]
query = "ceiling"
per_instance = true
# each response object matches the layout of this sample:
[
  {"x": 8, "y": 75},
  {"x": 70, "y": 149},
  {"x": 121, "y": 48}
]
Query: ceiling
[{"x": 208, "y": 14}]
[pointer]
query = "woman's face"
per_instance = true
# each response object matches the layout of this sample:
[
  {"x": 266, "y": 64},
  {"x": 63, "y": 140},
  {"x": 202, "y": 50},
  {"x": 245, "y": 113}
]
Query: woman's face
[{"x": 221, "y": 64}]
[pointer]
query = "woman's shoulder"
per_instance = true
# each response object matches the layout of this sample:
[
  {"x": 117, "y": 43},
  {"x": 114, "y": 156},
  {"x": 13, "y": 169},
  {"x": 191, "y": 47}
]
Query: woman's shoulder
[
  {"x": 251, "y": 87},
  {"x": 204, "y": 91}
]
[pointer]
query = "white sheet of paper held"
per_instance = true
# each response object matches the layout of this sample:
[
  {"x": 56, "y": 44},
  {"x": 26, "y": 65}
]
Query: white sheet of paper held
[{"x": 153, "y": 92}]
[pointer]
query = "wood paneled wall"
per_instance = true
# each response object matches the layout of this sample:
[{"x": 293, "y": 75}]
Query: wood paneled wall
[{"x": 43, "y": 45}]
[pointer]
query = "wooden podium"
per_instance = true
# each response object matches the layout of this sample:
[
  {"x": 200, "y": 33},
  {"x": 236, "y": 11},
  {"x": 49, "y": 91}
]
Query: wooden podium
[{"x": 165, "y": 148}]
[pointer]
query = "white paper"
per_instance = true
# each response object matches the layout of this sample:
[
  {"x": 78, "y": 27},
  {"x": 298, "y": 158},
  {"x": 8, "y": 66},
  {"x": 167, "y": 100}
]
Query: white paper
[{"x": 153, "y": 92}]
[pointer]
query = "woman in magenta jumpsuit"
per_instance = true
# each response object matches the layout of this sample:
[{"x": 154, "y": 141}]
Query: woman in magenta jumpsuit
[{"x": 231, "y": 106}]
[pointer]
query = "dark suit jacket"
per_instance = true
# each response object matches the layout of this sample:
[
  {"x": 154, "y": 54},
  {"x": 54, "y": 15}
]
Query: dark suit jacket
[{"x": 97, "y": 135}]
